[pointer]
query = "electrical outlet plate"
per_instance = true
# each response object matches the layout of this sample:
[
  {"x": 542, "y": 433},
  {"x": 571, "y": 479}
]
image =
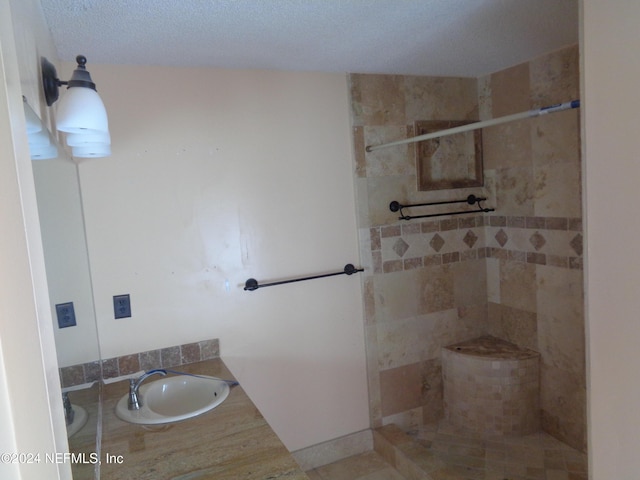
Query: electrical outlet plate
[
  {"x": 121, "y": 306},
  {"x": 66, "y": 315}
]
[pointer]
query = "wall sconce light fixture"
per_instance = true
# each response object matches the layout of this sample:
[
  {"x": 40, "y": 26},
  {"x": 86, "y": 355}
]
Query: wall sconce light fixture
[{"x": 81, "y": 113}]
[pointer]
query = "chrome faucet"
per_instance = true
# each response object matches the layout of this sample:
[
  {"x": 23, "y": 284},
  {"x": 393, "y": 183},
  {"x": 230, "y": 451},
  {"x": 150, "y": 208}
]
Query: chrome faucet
[
  {"x": 69, "y": 413},
  {"x": 135, "y": 402}
]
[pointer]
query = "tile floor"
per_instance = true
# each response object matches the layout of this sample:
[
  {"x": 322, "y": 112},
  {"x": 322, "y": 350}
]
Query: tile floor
[
  {"x": 538, "y": 456},
  {"x": 470, "y": 456},
  {"x": 366, "y": 466}
]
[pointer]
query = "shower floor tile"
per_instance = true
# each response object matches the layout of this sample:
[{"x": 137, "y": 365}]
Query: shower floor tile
[
  {"x": 470, "y": 456},
  {"x": 464, "y": 455},
  {"x": 366, "y": 466}
]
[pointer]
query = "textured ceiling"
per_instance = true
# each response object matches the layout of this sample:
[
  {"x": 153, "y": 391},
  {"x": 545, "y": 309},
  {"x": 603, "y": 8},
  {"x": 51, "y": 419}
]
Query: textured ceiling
[{"x": 419, "y": 37}]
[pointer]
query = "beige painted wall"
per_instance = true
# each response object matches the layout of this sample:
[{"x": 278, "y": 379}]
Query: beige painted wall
[
  {"x": 611, "y": 73},
  {"x": 218, "y": 176}
]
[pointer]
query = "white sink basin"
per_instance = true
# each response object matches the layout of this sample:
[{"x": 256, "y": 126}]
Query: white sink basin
[{"x": 172, "y": 399}]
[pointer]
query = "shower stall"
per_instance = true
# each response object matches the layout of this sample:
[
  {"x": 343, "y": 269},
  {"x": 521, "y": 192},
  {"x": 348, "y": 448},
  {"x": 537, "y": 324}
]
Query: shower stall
[{"x": 513, "y": 271}]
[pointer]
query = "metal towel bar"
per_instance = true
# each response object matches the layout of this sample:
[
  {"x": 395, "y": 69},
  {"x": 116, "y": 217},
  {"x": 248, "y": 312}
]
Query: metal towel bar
[
  {"x": 471, "y": 200},
  {"x": 252, "y": 284}
]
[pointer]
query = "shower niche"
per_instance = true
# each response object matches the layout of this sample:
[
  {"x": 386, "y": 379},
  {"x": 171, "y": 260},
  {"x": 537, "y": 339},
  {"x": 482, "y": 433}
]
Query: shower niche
[{"x": 452, "y": 161}]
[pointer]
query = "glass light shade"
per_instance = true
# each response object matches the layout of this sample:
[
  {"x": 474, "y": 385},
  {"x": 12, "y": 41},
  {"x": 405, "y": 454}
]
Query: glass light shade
[
  {"x": 79, "y": 139},
  {"x": 42, "y": 146},
  {"x": 34, "y": 124},
  {"x": 40, "y": 139},
  {"x": 43, "y": 152},
  {"x": 81, "y": 111},
  {"x": 91, "y": 150}
]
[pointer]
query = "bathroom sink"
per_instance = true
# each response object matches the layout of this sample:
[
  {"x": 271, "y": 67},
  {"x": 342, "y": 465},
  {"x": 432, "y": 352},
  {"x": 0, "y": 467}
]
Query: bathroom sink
[{"x": 172, "y": 399}]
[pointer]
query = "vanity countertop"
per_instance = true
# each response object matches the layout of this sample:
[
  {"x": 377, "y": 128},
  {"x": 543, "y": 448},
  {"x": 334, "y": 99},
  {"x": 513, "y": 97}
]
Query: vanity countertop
[{"x": 231, "y": 442}]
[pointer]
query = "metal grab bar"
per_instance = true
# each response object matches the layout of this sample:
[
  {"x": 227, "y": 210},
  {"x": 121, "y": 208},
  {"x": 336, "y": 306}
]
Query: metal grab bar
[
  {"x": 471, "y": 199},
  {"x": 252, "y": 284}
]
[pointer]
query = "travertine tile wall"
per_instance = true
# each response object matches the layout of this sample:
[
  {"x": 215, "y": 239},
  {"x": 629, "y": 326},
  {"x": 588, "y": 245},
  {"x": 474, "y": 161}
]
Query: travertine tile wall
[
  {"x": 515, "y": 273},
  {"x": 426, "y": 280},
  {"x": 533, "y": 170}
]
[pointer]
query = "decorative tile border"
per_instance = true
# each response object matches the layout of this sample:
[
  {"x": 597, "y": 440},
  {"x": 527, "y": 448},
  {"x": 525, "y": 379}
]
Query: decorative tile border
[
  {"x": 554, "y": 241},
  {"x": 128, "y": 364}
]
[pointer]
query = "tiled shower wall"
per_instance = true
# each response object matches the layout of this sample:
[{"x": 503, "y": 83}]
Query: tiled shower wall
[
  {"x": 426, "y": 285},
  {"x": 533, "y": 171},
  {"x": 515, "y": 273}
]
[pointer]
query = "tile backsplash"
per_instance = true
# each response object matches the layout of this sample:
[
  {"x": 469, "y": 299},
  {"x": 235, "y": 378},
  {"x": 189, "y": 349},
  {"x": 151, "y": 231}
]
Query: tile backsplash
[{"x": 161, "y": 358}]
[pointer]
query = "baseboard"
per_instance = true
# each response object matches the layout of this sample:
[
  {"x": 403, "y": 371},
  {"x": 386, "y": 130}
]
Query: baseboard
[{"x": 333, "y": 450}]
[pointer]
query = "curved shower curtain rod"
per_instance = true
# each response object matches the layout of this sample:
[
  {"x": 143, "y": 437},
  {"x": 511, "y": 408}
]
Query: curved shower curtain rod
[{"x": 485, "y": 123}]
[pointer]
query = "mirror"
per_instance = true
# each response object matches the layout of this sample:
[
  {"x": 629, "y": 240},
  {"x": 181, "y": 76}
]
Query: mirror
[{"x": 68, "y": 277}]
